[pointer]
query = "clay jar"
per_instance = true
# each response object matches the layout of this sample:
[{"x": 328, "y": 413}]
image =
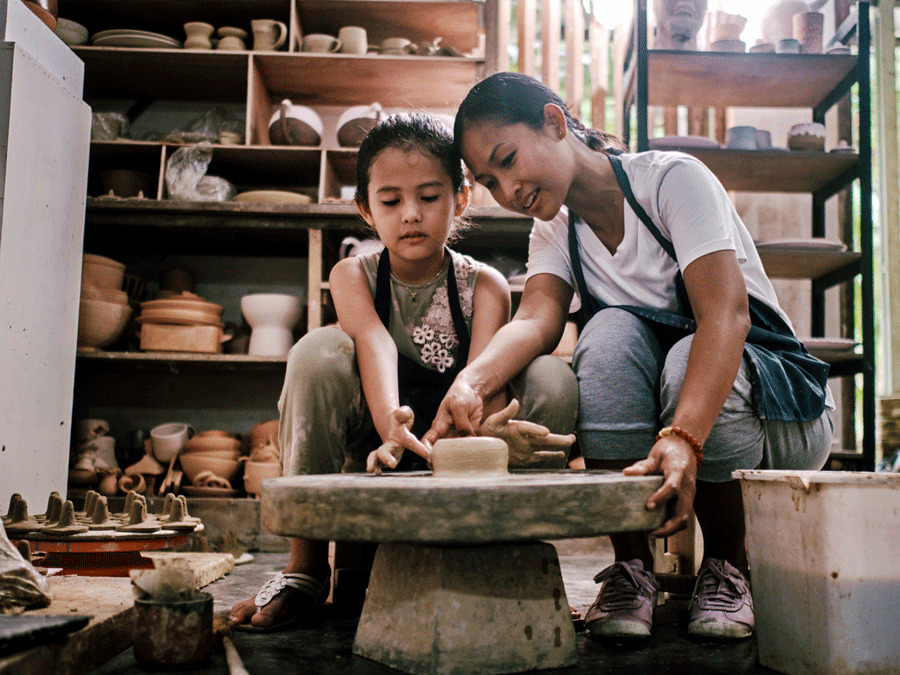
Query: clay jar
[
  {"x": 173, "y": 633},
  {"x": 268, "y": 34},
  {"x": 808, "y": 28},
  {"x": 677, "y": 23},
  {"x": 198, "y": 35},
  {"x": 232, "y": 39},
  {"x": 295, "y": 125}
]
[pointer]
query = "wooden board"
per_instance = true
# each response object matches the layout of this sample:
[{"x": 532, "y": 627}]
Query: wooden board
[{"x": 110, "y": 602}]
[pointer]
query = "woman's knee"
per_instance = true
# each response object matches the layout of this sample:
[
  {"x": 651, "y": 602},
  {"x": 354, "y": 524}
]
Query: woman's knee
[
  {"x": 547, "y": 391},
  {"x": 614, "y": 341},
  {"x": 321, "y": 353}
]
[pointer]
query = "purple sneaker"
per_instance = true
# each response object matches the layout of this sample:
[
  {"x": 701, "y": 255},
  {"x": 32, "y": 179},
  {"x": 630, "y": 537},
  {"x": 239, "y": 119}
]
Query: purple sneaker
[
  {"x": 624, "y": 606},
  {"x": 721, "y": 606}
]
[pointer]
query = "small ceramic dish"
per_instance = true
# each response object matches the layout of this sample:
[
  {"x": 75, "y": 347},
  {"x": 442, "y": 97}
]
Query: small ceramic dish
[{"x": 272, "y": 197}]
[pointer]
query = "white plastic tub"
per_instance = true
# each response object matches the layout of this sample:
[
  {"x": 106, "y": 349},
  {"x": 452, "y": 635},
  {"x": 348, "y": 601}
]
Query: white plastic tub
[{"x": 824, "y": 550}]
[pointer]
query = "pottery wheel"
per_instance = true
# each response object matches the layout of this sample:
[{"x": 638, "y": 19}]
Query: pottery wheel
[
  {"x": 460, "y": 582},
  {"x": 422, "y": 508}
]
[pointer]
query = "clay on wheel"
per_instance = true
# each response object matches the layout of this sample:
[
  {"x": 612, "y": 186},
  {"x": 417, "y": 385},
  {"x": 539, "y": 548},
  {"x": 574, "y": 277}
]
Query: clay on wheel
[{"x": 470, "y": 455}]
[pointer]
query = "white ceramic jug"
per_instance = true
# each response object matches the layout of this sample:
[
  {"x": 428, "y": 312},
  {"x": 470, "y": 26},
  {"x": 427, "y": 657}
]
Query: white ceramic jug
[{"x": 351, "y": 246}]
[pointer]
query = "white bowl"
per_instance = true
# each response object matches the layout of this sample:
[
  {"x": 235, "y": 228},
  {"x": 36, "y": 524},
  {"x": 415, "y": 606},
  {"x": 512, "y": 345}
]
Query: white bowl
[
  {"x": 100, "y": 323},
  {"x": 357, "y": 121},
  {"x": 71, "y": 33},
  {"x": 303, "y": 125}
]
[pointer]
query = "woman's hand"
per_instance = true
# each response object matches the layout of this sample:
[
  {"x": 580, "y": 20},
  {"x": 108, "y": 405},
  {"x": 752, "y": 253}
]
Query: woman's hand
[
  {"x": 529, "y": 443},
  {"x": 459, "y": 414},
  {"x": 674, "y": 458},
  {"x": 399, "y": 438}
]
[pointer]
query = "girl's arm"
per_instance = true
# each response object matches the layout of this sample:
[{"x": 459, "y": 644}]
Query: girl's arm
[
  {"x": 491, "y": 304},
  {"x": 718, "y": 297},
  {"x": 535, "y": 329},
  {"x": 376, "y": 354}
]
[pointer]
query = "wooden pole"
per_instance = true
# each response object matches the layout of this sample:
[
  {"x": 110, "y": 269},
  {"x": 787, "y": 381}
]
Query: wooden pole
[
  {"x": 527, "y": 19},
  {"x": 598, "y": 39},
  {"x": 574, "y": 54},
  {"x": 550, "y": 36}
]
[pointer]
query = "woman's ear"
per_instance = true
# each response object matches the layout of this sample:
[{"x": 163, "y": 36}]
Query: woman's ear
[
  {"x": 555, "y": 121},
  {"x": 462, "y": 201}
]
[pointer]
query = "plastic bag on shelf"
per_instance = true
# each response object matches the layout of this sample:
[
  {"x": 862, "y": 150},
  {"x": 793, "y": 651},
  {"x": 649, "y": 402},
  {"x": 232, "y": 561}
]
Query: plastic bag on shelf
[
  {"x": 186, "y": 177},
  {"x": 108, "y": 126},
  {"x": 206, "y": 128}
]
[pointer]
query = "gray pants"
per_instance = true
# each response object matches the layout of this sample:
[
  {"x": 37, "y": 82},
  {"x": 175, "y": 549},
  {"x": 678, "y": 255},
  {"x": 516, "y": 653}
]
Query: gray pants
[
  {"x": 629, "y": 389},
  {"x": 325, "y": 420}
]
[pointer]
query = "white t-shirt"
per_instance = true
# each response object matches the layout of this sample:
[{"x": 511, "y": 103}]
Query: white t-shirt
[{"x": 691, "y": 209}]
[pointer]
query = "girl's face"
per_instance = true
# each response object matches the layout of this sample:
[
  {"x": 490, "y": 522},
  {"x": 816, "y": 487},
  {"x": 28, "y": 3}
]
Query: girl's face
[
  {"x": 412, "y": 204},
  {"x": 525, "y": 169}
]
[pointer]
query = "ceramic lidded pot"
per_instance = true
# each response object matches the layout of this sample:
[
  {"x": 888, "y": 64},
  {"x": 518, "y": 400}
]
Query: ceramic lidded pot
[
  {"x": 356, "y": 122},
  {"x": 295, "y": 125}
]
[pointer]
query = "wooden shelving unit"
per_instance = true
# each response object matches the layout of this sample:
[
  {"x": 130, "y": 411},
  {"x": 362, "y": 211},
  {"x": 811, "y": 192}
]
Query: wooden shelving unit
[{"x": 815, "y": 81}]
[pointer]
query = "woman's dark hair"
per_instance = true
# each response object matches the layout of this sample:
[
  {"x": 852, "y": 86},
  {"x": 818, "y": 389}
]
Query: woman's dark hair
[
  {"x": 411, "y": 132},
  {"x": 514, "y": 98},
  {"x": 414, "y": 132}
]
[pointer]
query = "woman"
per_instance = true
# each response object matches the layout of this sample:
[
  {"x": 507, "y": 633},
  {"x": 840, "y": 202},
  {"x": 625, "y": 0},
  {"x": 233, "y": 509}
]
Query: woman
[{"x": 686, "y": 364}]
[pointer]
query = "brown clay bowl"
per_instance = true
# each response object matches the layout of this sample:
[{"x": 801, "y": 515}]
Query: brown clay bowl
[
  {"x": 212, "y": 443},
  {"x": 256, "y": 472},
  {"x": 104, "y": 294},
  {"x": 49, "y": 18},
  {"x": 215, "y": 454},
  {"x": 101, "y": 323},
  {"x": 193, "y": 464},
  {"x": 264, "y": 433},
  {"x": 101, "y": 272},
  {"x": 218, "y": 433}
]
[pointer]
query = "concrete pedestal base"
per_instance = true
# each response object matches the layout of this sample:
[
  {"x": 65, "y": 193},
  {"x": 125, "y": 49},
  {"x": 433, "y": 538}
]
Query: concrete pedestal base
[{"x": 466, "y": 609}]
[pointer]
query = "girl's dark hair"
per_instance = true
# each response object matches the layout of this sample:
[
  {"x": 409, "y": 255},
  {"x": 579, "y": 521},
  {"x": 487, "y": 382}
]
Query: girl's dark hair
[
  {"x": 514, "y": 98},
  {"x": 411, "y": 132}
]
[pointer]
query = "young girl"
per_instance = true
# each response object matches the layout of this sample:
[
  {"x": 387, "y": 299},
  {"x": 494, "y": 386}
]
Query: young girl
[
  {"x": 411, "y": 316},
  {"x": 687, "y": 366}
]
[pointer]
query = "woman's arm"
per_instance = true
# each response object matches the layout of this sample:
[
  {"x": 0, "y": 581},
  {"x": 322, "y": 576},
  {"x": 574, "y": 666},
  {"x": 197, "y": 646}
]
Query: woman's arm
[
  {"x": 718, "y": 299},
  {"x": 490, "y": 311},
  {"x": 535, "y": 329},
  {"x": 376, "y": 354}
]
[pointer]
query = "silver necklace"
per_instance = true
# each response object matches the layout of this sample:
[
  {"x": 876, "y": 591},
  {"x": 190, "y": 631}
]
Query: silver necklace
[{"x": 412, "y": 293}]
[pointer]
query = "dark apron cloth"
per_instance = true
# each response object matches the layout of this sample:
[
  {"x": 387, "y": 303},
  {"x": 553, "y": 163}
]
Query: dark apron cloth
[
  {"x": 788, "y": 382},
  {"x": 421, "y": 388}
]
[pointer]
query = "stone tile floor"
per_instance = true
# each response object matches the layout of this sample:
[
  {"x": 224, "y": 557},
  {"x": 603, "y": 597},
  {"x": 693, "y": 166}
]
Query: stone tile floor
[{"x": 326, "y": 646}]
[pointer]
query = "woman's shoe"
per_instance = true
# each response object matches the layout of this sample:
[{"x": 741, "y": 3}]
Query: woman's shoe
[{"x": 295, "y": 595}]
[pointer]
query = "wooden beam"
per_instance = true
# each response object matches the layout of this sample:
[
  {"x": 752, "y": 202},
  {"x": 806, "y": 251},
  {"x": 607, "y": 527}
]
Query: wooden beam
[
  {"x": 574, "y": 53},
  {"x": 527, "y": 19},
  {"x": 550, "y": 37},
  {"x": 598, "y": 39}
]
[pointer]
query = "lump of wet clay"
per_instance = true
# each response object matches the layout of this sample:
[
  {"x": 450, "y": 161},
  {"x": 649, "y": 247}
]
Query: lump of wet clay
[{"x": 472, "y": 455}]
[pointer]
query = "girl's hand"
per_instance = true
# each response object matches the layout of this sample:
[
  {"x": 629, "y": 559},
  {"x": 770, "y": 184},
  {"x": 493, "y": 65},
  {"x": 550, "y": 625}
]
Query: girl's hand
[
  {"x": 399, "y": 438},
  {"x": 528, "y": 442},
  {"x": 461, "y": 410},
  {"x": 673, "y": 457}
]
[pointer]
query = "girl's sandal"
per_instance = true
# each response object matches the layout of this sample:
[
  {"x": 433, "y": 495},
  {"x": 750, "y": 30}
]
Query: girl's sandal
[{"x": 308, "y": 594}]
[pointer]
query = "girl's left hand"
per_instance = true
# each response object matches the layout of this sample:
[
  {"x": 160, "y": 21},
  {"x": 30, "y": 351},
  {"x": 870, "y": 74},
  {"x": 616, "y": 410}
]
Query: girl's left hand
[
  {"x": 398, "y": 438},
  {"x": 674, "y": 458}
]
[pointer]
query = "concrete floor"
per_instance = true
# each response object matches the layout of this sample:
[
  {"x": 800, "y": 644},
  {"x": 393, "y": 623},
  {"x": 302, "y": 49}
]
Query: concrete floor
[{"x": 325, "y": 646}]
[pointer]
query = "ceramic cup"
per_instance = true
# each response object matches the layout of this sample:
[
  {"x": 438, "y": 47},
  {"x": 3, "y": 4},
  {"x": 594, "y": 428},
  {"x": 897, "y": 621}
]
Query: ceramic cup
[
  {"x": 788, "y": 46},
  {"x": 198, "y": 35},
  {"x": 268, "y": 34},
  {"x": 167, "y": 440},
  {"x": 320, "y": 43},
  {"x": 808, "y": 28},
  {"x": 763, "y": 139},
  {"x": 742, "y": 138},
  {"x": 353, "y": 40}
]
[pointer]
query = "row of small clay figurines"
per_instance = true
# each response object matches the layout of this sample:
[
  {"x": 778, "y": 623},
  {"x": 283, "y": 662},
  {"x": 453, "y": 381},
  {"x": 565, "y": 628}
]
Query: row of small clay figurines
[{"x": 62, "y": 519}]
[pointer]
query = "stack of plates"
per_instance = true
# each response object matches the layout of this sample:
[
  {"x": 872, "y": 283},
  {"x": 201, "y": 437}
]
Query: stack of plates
[
  {"x": 134, "y": 38},
  {"x": 182, "y": 323}
]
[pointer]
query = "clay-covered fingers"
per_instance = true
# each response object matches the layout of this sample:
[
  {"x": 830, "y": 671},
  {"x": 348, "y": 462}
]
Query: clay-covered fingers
[
  {"x": 401, "y": 434},
  {"x": 386, "y": 455}
]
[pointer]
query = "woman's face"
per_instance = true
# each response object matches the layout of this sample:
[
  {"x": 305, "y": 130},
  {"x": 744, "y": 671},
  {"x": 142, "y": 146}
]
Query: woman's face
[{"x": 526, "y": 170}]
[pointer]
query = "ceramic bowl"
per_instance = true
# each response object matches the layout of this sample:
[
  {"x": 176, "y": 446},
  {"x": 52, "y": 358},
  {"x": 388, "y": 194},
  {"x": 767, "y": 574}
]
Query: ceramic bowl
[
  {"x": 264, "y": 309},
  {"x": 264, "y": 433},
  {"x": 212, "y": 444},
  {"x": 104, "y": 294},
  {"x": 215, "y": 454},
  {"x": 256, "y": 472},
  {"x": 49, "y": 18},
  {"x": 101, "y": 272},
  {"x": 101, "y": 323},
  {"x": 357, "y": 121},
  {"x": 193, "y": 464},
  {"x": 184, "y": 301},
  {"x": 295, "y": 125},
  {"x": 808, "y": 136},
  {"x": 72, "y": 33}
]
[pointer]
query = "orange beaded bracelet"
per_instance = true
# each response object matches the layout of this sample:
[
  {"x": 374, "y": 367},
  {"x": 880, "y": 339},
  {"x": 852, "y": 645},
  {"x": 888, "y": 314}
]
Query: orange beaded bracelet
[{"x": 681, "y": 433}]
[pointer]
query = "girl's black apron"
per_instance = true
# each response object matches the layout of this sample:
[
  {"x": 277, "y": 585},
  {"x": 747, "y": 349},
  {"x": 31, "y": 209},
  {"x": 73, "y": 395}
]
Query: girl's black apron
[
  {"x": 421, "y": 388},
  {"x": 788, "y": 382}
]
